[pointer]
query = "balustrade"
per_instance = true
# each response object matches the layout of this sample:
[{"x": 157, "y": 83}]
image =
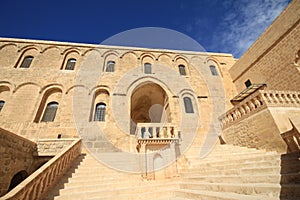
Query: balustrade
[
  {"x": 259, "y": 100},
  {"x": 156, "y": 131},
  {"x": 292, "y": 139},
  {"x": 42, "y": 180}
]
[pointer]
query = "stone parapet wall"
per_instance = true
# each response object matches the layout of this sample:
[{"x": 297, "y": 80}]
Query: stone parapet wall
[
  {"x": 259, "y": 120},
  {"x": 256, "y": 131},
  {"x": 16, "y": 154},
  {"x": 51, "y": 147}
]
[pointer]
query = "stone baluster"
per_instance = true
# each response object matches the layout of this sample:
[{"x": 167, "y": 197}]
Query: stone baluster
[
  {"x": 165, "y": 134},
  {"x": 266, "y": 96},
  {"x": 291, "y": 98},
  {"x": 278, "y": 97},
  {"x": 169, "y": 131},
  {"x": 230, "y": 117},
  {"x": 257, "y": 102},
  {"x": 298, "y": 98},
  {"x": 138, "y": 132},
  {"x": 285, "y": 99},
  {"x": 242, "y": 110},
  {"x": 237, "y": 114},
  {"x": 247, "y": 108},
  {"x": 251, "y": 105},
  {"x": 273, "y": 99}
]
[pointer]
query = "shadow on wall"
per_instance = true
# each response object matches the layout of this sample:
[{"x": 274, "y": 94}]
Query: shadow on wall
[
  {"x": 290, "y": 176},
  {"x": 17, "y": 178}
]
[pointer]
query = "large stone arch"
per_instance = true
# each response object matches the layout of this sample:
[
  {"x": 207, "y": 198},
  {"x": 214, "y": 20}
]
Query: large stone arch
[{"x": 148, "y": 101}]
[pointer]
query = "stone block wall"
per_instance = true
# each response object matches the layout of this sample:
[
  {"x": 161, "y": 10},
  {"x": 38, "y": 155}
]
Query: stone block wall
[
  {"x": 274, "y": 58},
  {"x": 256, "y": 131},
  {"x": 30, "y": 89},
  {"x": 51, "y": 147},
  {"x": 16, "y": 155}
]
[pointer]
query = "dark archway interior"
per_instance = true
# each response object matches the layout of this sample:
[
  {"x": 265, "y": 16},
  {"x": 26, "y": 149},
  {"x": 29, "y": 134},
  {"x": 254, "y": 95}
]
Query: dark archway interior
[
  {"x": 17, "y": 179},
  {"x": 147, "y": 97}
]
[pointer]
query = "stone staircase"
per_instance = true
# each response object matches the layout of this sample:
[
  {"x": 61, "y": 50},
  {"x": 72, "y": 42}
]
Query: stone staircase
[
  {"x": 88, "y": 179},
  {"x": 228, "y": 172},
  {"x": 232, "y": 172}
]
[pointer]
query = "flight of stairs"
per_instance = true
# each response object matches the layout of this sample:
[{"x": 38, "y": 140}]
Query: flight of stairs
[
  {"x": 89, "y": 179},
  {"x": 232, "y": 172},
  {"x": 228, "y": 172}
]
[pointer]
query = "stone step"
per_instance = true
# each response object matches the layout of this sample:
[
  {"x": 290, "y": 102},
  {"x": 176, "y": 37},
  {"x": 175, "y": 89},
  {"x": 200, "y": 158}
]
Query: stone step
[
  {"x": 157, "y": 195},
  {"x": 115, "y": 193},
  {"x": 267, "y": 189},
  {"x": 98, "y": 179},
  {"x": 284, "y": 168},
  {"x": 210, "y": 195},
  {"x": 264, "y": 178},
  {"x": 236, "y": 160},
  {"x": 220, "y": 152},
  {"x": 226, "y": 157},
  {"x": 99, "y": 182},
  {"x": 138, "y": 186},
  {"x": 93, "y": 175},
  {"x": 231, "y": 155},
  {"x": 244, "y": 171},
  {"x": 230, "y": 165}
]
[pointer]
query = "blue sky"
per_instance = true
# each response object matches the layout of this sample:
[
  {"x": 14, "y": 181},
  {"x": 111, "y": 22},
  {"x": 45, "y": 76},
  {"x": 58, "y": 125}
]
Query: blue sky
[{"x": 228, "y": 26}]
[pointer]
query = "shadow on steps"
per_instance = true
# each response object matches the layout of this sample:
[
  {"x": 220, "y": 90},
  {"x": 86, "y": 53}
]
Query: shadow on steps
[
  {"x": 64, "y": 179},
  {"x": 290, "y": 176}
]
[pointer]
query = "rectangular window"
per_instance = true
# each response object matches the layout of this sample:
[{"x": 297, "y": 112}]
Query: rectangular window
[
  {"x": 248, "y": 83},
  {"x": 26, "y": 62},
  {"x": 147, "y": 68},
  {"x": 213, "y": 70}
]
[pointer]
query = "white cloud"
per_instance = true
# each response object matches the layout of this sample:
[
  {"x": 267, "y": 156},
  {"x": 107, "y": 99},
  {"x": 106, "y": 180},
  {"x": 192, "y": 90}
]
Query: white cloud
[{"x": 244, "y": 22}]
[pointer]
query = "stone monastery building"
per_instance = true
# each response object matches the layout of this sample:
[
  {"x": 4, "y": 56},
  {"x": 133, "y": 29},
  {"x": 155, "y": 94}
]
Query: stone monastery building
[{"x": 84, "y": 121}]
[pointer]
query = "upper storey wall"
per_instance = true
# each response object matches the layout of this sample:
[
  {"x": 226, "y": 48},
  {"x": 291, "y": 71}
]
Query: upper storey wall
[
  {"x": 54, "y": 69},
  {"x": 50, "y": 63},
  {"x": 274, "y": 58}
]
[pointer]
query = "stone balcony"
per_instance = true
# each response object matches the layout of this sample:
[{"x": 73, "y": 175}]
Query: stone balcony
[
  {"x": 156, "y": 133},
  {"x": 259, "y": 100},
  {"x": 264, "y": 119}
]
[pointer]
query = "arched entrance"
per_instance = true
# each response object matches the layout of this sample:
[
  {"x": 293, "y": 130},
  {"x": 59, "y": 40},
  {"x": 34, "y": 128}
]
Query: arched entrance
[
  {"x": 17, "y": 178},
  {"x": 149, "y": 103}
]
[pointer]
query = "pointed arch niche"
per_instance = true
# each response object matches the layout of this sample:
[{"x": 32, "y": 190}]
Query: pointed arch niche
[
  {"x": 48, "y": 110},
  {"x": 147, "y": 104},
  {"x": 99, "y": 110}
]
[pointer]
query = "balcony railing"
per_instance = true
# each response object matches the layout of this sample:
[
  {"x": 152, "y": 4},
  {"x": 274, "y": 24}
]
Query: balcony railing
[
  {"x": 257, "y": 101},
  {"x": 156, "y": 132}
]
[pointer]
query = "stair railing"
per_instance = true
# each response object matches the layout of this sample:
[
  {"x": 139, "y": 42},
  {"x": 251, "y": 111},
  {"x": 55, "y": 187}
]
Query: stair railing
[{"x": 39, "y": 183}]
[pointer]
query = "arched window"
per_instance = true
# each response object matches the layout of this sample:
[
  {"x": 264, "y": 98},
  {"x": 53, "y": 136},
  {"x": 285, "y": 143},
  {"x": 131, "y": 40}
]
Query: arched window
[
  {"x": 70, "y": 64},
  {"x": 1, "y": 105},
  {"x": 213, "y": 70},
  {"x": 147, "y": 68},
  {"x": 110, "y": 66},
  {"x": 188, "y": 105},
  {"x": 100, "y": 112},
  {"x": 50, "y": 112},
  {"x": 26, "y": 62},
  {"x": 182, "y": 70}
]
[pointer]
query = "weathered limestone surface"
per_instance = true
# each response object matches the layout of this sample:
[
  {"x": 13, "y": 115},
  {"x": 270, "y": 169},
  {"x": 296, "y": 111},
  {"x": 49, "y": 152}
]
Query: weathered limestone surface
[
  {"x": 274, "y": 57},
  {"x": 16, "y": 155}
]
